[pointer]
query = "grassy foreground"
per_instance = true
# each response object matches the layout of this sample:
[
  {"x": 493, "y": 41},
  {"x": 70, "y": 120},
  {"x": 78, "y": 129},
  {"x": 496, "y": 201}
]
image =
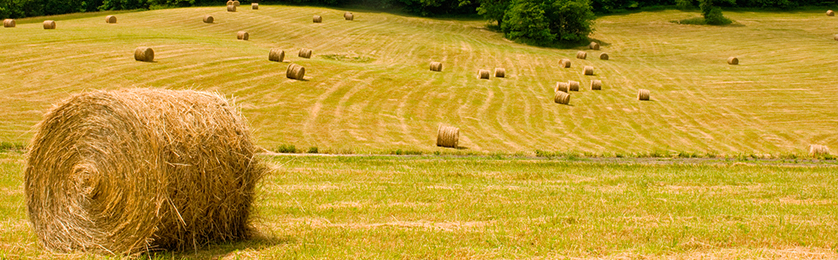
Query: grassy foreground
[{"x": 466, "y": 207}]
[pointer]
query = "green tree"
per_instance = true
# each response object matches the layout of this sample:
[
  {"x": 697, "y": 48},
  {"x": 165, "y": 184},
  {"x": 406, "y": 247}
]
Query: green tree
[
  {"x": 492, "y": 10},
  {"x": 545, "y": 22},
  {"x": 712, "y": 14}
]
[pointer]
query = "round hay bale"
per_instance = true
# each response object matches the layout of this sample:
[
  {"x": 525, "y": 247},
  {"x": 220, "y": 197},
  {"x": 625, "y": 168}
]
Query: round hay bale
[
  {"x": 348, "y": 16},
  {"x": 304, "y": 53},
  {"x": 137, "y": 170},
  {"x": 295, "y": 71},
  {"x": 230, "y": 2},
  {"x": 596, "y": 84},
  {"x": 733, "y": 61},
  {"x": 49, "y": 24},
  {"x": 830, "y": 13},
  {"x": 603, "y": 56},
  {"x": 236, "y": 3},
  {"x": 565, "y": 63},
  {"x": 561, "y": 98},
  {"x": 588, "y": 70},
  {"x": 254, "y": 6},
  {"x": 436, "y": 66},
  {"x": 483, "y": 74},
  {"x": 317, "y": 19},
  {"x": 643, "y": 94},
  {"x": 594, "y": 46},
  {"x": 447, "y": 136},
  {"x": 581, "y": 55},
  {"x": 8, "y": 23},
  {"x": 231, "y": 8},
  {"x": 573, "y": 85},
  {"x": 110, "y": 19},
  {"x": 500, "y": 72},
  {"x": 562, "y": 87},
  {"x": 816, "y": 150},
  {"x": 208, "y": 19},
  {"x": 835, "y": 37},
  {"x": 242, "y": 35},
  {"x": 144, "y": 54},
  {"x": 276, "y": 55}
]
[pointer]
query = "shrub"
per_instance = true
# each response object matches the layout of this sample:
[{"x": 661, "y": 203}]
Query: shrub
[
  {"x": 286, "y": 148},
  {"x": 543, "y": 22}
]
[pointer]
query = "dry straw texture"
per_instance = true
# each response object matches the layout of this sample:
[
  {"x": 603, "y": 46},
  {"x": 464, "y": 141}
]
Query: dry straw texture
[
  {"x": 596, "y": 84},
  {"x": 593, "y": 46},
  {"x": 500, "y": 72},
  {"x": 304, "y": 53},
  {"x": 835, "y": 37},
  {"x": 229, "y": 2},
  {"x": 276, "y": 55},
  {"x": 208, "y": 19},
  {"x": 236, "y": 3},
  {"x": 8, "y": 23},
  {"x": 49, "y": 24},
  {"x": 830, "y": 13},
  {"x": 483, "y": 74},
  {"x": 436, "y": 66},
  {"x": 126, "y": 171},
  {"x": 317, "y": 19},
  {"x": 110, "y": 19},
  {"x": 588, "y": 70},
  {"x": 565, "y": 63},
  {"x": 573, "y": 85},
  {"x": 242, "y": 35},
  {"x": 816, "y": 150},
  {"x": 254, "y": 6},
  {"x": 348, "y": 16},
  {"x": 603, "y": 56},
  {"x": 295, "y": 71},
  {"x": 581, "y": 55},
  {"x": 643, "y": 94},
  {"x": 447, "y": 136},
  {"x": 562, "y": 98},
  {"x": 562, "y": 87},
  {"x": 733, "y": 61},
  {"x": 231, "y": 8},
  {"x": 144, "y": 54}
]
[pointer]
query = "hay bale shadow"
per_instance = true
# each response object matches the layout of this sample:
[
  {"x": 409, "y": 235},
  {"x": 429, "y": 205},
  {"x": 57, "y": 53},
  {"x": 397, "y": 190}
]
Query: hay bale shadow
[{"x": 224, "y": 250}]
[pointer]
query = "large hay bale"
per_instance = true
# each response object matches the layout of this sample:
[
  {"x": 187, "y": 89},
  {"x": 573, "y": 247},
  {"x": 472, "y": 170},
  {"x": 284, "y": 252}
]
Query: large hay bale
[
  {"x": 500, "y": 72},
  {"x": 144, "y": 54},
  {"x": 596, "y": 84},
  {"x": 603, "y": 56},
  {"x": 110, "y": 19},
  {"x": 136, "y": 170},
  {"x": 276, "y": 55},
  {"x": 254, "y": 6},
  {"x": 231, "y": 8},
  {"x": 573, "y": 85},
  {"x": 436, "y": 66},
  {"x": 581, "y": 55},
  {"x": 483, "y": 74},
  {"x": 817, "y": 150},
  {"x": 562, "y": 87},
  {"x": 565, "y": 63},
  {"x": 236, "y": 3},
  {"x": 733, "y": 61},
  {"x": 447, "y": 136},
  {"x": 295, "y": 71},
  {"x": 317, "y": 19},
  {"x": 348, "y": 16},
  {"x": 8, "y": 23},
  {"x": 242, "y": 35},
  {"x": 304, "y": 53},
  {"x": 208, "y": 19},
  {"x": 561, "y": 98},
  {"x": 49, "y": 24},
  {"x": 588, "y": 70},
  {"x": 830, "y": 13},
  {"x": 643, "y": 94},
  {"x": 594, "y": 46}
]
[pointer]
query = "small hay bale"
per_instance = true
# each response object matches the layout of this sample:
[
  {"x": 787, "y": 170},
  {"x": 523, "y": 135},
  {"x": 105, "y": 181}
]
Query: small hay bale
[
  {"x": 230, "y": 2},
  {"x": 295, "y": 71},
  {"x": 447, "y": 136},
  {"x": 573, "y": 85},
  {"x": 317, "y": 19},
  {"x": 8, "y": 23},
  {"x": 643, "y": 94},
  {"x": 500, "y": 72},
  {"x": 127, "y": 171},
  {"x": 830, "y": 13},
  {"x": 208, "y": 19},
  {"x": 562, "y": 87},
  {"x": 835, "y": 37},
  {"x": 144, "y": 54},
  {"x": 242, "y": 35},
  {"x": 816, "y": 150},
  {"x": 581, "y": 55},
  {"x": 236, "y": 3},
  {"x": 483, "y": 74},
  {"x": 436, "y": 66},
  {"x": 231, "y": 8},
  {"x": 110, "y": 19},
  {"x": 594, "y": 46},
  {"x": 733, "y": 61},
  {"x": 49, "y": 24},
  {"x": 348, "y": 16},
  {"x": 276, "y": 55},
  {"x": 565, "y": 63},
  {"x": 588, "y": 70},
  {"x": 304, "y": 53},
  {"x": 254, "y": 6},
  {"x": 603, "y": 56},
  {"x": 596, "y": 84},
  {"x": 561, "y": 98}
]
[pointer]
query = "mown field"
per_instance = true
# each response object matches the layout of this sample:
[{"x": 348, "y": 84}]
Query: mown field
[{"x": 368, "y": 88}]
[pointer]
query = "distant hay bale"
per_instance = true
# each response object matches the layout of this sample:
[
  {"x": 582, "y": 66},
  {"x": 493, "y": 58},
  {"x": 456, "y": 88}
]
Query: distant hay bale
[
  {"x": 835, "y": 37},
  {"x": 254, "y": 6},
  {"x": 603, "y": 56},
  {"x": 594, "y": 46},
  {"x": 581, "y": 55},
  {"x": 231, "y": 8},
  {"x": 733, "y": 61},
  {"x": 588, "y": 70},
  {"x": 8, "y": 23},
  {"x": 348, "y": 16},
  {"x": 596, "y": 84},
  {"x": 643, "y": 94},
  {"x": 295, "y": 71},
  {"x": 816, "y": 150},
  {"x": 136, "y": 170},
  {"x": 144, "y": 54},
  {"x": 830, "y": 13},
  {"x": 49, "y": 24},
  {"x": 483, "y": 74},
  {"x": 500, "y": 72},
  {"x": 276, "y": 55},
  {"x": 317, "y": 19},
  {"x": 242, "y": 35},
  {"x": 565, "y": 63},
  {"x": 304, "y": 53},
  {"x": 208, "y": 19},
  {"x": 230, "y": 2},
  {"x": 573, "y": 85},
  {"x": 562, "y": 87},
  {"x": 236, "y": 3},
  {"x": 110, "y": 19},
  {"x": 436, "y": 66},
  {"x": 447, "y": 136},
  {"x": 561, "y": 98}
]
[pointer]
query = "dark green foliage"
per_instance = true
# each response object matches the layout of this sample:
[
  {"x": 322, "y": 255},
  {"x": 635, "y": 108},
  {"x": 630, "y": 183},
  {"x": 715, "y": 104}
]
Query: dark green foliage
[
  {"x": 312, "y": 149},
  {"x": 286, "y": 148},
  {"x": 713, "y": 14},
  {"x": 546, "y": 22},
  {"x": 8, "y": 146}
]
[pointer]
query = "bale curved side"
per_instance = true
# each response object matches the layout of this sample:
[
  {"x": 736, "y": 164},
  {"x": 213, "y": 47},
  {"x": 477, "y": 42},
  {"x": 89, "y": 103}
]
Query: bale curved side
[
  {"x": 562, "y": 87},
  {"x": 436, "y": 66},
  {"x": 603, "y": 56},
  {"x": 49, "y": 24},
  {"x": 242, "y": 35},
  {"x": 594, "y": 46},
  {"x": 8, "y": 23},
  {"x": 276, "y": 55},
  {"x": 110, "y": 19},
  {"x": 817, "y": 150},
  {"x": 144, "y": 54},
  {"x": 208, "y": 19},
  {"x": 588, "y": 70},
  {"x": 581, "y": 55},
  {"x": 483, "y": 74},
  {"x": 304, "y": 53},
  {"x": 231, "y": 8},
  {"x": 447, "y": 136},
  {"x": 643, "y": 94},
  {"x": 733, "y": 61},
  {"x": 254, "y": 6},
  {"x": 596, "y": 84},
  {"x": 830, "y": 13},
  {"x": 573, "y": 85},
  {"x": 236, "y": 3},
  {"x": 562, "y": 98},
  {"x": 348, "y": 16},
  {"x": 295, "y": 71},
  {"x": 565, "y": 63},
  {"x": 500, "y": 72},
  {"x": 317, "y": 19}
]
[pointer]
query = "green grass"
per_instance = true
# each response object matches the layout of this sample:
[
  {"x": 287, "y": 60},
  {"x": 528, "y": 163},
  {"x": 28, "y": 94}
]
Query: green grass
[{"x": 476, "y": 207}]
